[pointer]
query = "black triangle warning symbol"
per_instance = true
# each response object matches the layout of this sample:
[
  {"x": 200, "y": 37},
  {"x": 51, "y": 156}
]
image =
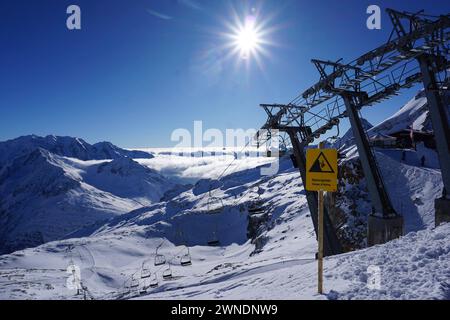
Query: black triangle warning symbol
[{"x": 321, "y": 164}]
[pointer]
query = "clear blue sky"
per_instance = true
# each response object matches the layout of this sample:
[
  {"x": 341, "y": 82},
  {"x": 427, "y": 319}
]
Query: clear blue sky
[{"x": 140, "y": 69}]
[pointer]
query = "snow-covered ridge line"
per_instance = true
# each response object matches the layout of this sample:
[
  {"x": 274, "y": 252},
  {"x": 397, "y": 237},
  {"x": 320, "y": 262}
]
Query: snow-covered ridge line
[{"x": 65, "y": 146}]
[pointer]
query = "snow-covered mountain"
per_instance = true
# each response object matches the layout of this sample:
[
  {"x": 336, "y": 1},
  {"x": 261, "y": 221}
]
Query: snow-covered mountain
[
  {"x": 413, "y": 114},
  {"x": 65, "y": 146},
  {"x": 128, "y": 179},
  {"x": 347, "y": 139},
  {"x": 44, "y": 196},
  {"x": 260, "y": 227}
]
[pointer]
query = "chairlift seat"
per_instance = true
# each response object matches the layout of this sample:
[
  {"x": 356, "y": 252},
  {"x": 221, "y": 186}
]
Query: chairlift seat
[
  {"x": 145, "y": 274},
  {"x": 153, "y": 282},
  {"x": 256, "y": 207},
  {"x": 215, "y": 211},
  {"x": 167, "y": 274},
  {"x": 186, "y": 261},
  {"x": 213, "y": 243},
  {"x": 159, "y": 260}
]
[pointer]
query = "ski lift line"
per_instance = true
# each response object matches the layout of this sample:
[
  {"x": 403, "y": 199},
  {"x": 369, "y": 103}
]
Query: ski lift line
[
  {"x": 226, "y": 169},
  {"x": 235, "y": 203},
  {"x": 168, "y": 261}
]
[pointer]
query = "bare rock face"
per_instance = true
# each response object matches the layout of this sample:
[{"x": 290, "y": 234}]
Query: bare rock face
[
  {"x": 258, "y": 218},
  {"x": 350, "y": 206}
]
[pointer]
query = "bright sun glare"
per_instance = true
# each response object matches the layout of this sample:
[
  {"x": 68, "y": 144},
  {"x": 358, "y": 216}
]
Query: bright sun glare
[{"x": 247, "y": 39}]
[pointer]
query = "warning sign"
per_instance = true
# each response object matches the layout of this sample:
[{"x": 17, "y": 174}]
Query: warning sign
[{"x": 321, "y": 169}]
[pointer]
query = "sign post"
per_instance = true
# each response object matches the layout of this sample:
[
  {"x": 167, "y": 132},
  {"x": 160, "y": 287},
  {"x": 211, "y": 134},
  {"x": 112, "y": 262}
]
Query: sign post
[
  {"x": 320, "y": 236},
  {"x": 321, "y": 175}
]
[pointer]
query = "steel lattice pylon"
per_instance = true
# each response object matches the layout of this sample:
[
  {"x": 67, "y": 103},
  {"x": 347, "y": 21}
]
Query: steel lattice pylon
[{"x": 416, "y": 51}]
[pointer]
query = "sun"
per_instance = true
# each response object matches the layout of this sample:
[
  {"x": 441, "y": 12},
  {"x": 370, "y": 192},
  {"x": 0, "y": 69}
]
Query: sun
[{"x": 247, "y": 39}]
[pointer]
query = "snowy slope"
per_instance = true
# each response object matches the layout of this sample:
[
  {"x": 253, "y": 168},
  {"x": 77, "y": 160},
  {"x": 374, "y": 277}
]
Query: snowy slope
[
  {"x": 126, "y": 178},
  {"x": 44, "y": 196},
  {"x": 265, "y": 255},
  {"x": 113, "y": 256},
  {"x": 347, "y": 139},
  {"x": 413, "y": 114}
]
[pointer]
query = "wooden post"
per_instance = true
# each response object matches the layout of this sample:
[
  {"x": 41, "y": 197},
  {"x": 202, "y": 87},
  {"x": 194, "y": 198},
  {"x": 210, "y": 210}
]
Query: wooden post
[{"x": 320, "y": 236}]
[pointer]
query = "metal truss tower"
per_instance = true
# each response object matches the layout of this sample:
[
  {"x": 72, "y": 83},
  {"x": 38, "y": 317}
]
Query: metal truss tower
[{"x": 419, "y": 53}]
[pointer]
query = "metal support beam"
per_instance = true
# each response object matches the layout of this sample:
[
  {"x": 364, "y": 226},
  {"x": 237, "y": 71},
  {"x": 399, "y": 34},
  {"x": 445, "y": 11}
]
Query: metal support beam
[
  {"x": 439, "y": 119},
  {"x": 332, "y": 245},
  {"x": 383, "y": 224}
]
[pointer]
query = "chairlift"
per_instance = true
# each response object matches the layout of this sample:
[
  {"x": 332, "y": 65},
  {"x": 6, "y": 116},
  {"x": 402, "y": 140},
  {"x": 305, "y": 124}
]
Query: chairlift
[
  {"x": 186, "y": 259},
  {"x": 159, "y": 258},
  {"x": 134, "y": 282},
  {"x": 145, "y": 271},
  {"x": 145, "y": 286},
  {"x": 167, "y": 274},
  {"x": 143, "y": 289},
  {"x": 154, "y": 282},
  {"x": 214, "y": 241},
  {"x": 255, "y": 207}
]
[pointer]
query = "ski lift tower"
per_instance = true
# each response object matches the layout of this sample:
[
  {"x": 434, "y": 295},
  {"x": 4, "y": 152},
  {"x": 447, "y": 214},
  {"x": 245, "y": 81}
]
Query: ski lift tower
[
  {"x": 431, "y": 60},
  {"x": 419, "y": 53}
]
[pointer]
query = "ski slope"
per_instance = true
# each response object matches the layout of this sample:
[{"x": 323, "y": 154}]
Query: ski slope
[
  {"x": 113, "y": 254},
  {"x": 161, "y": 205}
]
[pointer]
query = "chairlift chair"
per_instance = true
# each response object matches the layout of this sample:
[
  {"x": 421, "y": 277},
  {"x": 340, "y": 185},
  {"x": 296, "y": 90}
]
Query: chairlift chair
[
  {"x": 145, "y": 286},
  {"x": 145, "y": 272},
  {"x": 159, "y": 258},
  {"x": 143, "y": 290},
  {"x": 186, "y": 259},
  {"x": 154, "y": 282},
  {"x": 255, "y": 207},
  {"x": 134, "y": 283},
  {"x": 214, "y": 241},
  {"x": 167, "y": 274}
]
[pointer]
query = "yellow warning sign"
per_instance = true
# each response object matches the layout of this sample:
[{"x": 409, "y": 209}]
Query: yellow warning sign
[{"x": 321, "y": 169}]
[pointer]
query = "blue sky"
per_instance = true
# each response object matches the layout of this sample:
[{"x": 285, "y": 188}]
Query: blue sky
[{"x": 140, "y": 69}]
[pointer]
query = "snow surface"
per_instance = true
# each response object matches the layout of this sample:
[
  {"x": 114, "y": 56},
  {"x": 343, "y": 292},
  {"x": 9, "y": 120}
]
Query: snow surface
[
  {"x": 44, "y": 196},
  {"x": 269, "y": 255},
  {"x": 112, "y": 254}
]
